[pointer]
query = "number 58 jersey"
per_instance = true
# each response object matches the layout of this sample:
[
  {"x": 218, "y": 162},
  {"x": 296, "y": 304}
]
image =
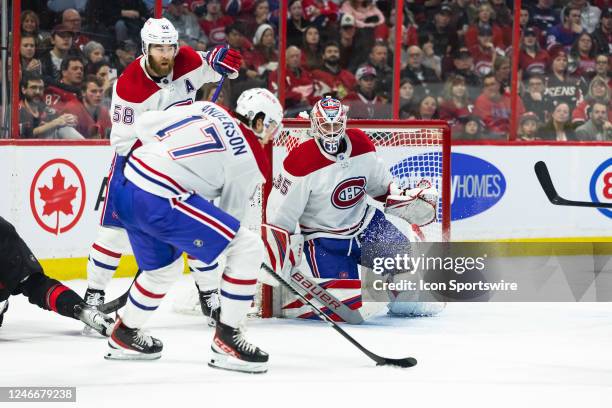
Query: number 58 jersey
[{"x": 198, "y": 149}]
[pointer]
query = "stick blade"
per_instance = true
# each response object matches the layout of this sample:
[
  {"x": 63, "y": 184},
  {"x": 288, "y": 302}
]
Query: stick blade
[
  {"x": 398, "y": 362},
  {"x": 543, "y": 176}
]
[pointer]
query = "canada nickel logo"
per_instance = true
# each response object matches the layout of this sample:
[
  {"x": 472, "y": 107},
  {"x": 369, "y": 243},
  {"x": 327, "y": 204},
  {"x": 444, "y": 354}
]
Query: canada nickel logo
[{"x": 57, "y": 196}]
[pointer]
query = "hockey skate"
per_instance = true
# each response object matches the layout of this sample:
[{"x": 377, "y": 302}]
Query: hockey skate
[
  {"x": 94, "y": 298},
  {"x": 230, "y": 351},
  {"x": 211, "y": 306},
  {"x": 94, "y": 319},
  {"x": 132, "y": 344}
]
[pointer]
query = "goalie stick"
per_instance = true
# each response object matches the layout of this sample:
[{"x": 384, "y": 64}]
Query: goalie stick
[
  {"x": 119, "y": 302},
  {"x": 543, "y": 175},
  {"x": 397, "y": 362}
]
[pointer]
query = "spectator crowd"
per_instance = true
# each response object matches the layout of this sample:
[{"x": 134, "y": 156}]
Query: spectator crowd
[{"x": 455, "y": 60}]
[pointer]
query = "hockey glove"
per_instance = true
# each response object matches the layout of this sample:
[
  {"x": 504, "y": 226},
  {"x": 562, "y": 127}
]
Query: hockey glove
[
  {"x": 225, "y": 61},
  {"x": 417, "y": 206}
]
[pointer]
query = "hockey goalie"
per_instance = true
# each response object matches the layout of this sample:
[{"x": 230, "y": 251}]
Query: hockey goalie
[{"x": 322, "y": 189}]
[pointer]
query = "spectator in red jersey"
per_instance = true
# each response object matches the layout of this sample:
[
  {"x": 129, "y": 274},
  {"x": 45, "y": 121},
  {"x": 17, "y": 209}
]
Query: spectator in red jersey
[
  {"x": 455, "y": 102},
  {"x": 528, "y": 126},
  {"x": 69, "y": 87},
  {"x": 494, "y": 108},
  {"x": 532, "y": 59},
  {"x": 61, "y": 38},
  {"x": 263, "y": 59},
  {"x": 483, "y": 52},
  {"x": 311, "y": 49},
  {"x": 534, "y": 97},
  {"x": 93, "y": 119},
  {"x": 582, "y": 57},
  {"x": 322, "y": 13},
  {"x": 560, "y": 87},
  {"x": 27, "y": 51},
  {"x": 72, "y": 19},
  {"x": 299, "y": 85},
  {"x": 364, "y": 103},
  {"x": 598, "y": 92},
  {"x": 296, "y": 24},
  {"x": 213, "y": 23},
  {"x": 484, "y": 19},
  {"x": 526, "y": 24},
  {"x": 603, "y": 34},
  {"x": 36, "y": 119},
  {"x": 334, "y": 81},
  {"x": 559, "y": 126}
]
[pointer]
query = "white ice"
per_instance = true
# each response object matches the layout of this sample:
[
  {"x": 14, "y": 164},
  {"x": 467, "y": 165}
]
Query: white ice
[{"x": 472, "y": 355}]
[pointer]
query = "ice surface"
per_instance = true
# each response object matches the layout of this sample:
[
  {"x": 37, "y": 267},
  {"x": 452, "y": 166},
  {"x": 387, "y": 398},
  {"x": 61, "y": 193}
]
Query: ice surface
[{"x": 471, "y": 355}]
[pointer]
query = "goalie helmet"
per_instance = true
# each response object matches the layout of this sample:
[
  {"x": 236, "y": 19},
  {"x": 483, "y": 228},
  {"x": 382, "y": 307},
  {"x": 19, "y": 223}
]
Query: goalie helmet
[
  {"x": 158, "y": 31},
  {"x": 328, "y": 123},
  {"x": 255, "y": 101}
]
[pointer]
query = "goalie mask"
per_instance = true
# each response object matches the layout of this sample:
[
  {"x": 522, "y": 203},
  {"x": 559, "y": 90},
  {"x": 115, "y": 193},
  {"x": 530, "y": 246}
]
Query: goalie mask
[
  {"x": 328, "y": 123},
  {"x": 158, "y": 31},
  {"x": 260, "y": 103}
]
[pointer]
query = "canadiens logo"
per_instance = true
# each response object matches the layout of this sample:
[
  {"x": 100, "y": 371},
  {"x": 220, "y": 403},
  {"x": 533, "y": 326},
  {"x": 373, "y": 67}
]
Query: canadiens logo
[
  {"x": 348, "y": 193},
  {"x": 57, "y": 196}
]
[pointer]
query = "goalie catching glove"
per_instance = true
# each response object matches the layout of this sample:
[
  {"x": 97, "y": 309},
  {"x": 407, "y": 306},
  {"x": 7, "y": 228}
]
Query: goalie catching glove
[
  {"x": 282, "y": 252},
  {"x": 417, "y": 205}
]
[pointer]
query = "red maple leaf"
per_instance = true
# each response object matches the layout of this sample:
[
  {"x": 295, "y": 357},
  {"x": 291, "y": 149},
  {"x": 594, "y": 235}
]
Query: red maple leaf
[{"x": 57, "y": 198}]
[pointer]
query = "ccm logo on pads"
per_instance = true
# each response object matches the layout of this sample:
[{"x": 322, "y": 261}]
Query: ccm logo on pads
[{"x": 348, "y": 193}]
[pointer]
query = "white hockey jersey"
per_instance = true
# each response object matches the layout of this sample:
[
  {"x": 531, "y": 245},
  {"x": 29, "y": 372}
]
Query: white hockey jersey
[
  {"x": 326, "y": 194},
  {"x": 135, "y": 92},
  {"x": 197, "y": 149}
]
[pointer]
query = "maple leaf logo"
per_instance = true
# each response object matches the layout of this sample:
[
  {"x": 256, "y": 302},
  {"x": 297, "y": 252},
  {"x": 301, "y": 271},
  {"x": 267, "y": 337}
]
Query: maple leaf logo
[{"x": 57, "y": 198}]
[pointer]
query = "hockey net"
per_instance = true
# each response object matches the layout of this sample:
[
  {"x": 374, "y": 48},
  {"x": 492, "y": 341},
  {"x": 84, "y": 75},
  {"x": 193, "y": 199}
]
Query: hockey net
[{"x": 413, "y": 151}]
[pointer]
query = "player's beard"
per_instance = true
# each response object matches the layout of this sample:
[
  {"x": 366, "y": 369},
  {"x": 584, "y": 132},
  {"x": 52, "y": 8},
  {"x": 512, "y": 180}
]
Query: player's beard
[{"x": 161, "y": 70}]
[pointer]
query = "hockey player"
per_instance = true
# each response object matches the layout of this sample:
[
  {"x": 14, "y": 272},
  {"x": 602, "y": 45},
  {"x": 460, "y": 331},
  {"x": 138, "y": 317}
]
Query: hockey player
[
  {"x": 20, "y": 272},
  {"x": 190, "y": 156},
  {"x": 323, "y": 186},
  {"x": 164, "y": 76}
]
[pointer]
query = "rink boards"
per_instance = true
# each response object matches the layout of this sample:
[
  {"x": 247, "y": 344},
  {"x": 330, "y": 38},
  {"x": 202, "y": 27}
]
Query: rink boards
[{"x": 55, "y": 195}]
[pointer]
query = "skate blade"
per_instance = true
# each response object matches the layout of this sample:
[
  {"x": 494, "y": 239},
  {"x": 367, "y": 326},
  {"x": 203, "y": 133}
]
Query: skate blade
[
  {"x": 91, "y": 332},
  {"x": 225, "y": 362},
  {"x": 121, "y": 354}
]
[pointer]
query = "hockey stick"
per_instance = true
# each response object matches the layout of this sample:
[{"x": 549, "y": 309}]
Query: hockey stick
[
  {"x": 119, "y": 302},
  {"x": 325, "y": 298},
  {"x": 398, "y": 362},
  {"x": 543, "y": 175},
  {"x": 218, "y": 90}
]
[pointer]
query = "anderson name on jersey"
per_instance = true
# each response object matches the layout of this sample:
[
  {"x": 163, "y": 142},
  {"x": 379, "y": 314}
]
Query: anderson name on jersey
[
  {"x": 327, "y": 194},
  {"x": 197, "y": 149},
  {"x": 136, "y": 92}
]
